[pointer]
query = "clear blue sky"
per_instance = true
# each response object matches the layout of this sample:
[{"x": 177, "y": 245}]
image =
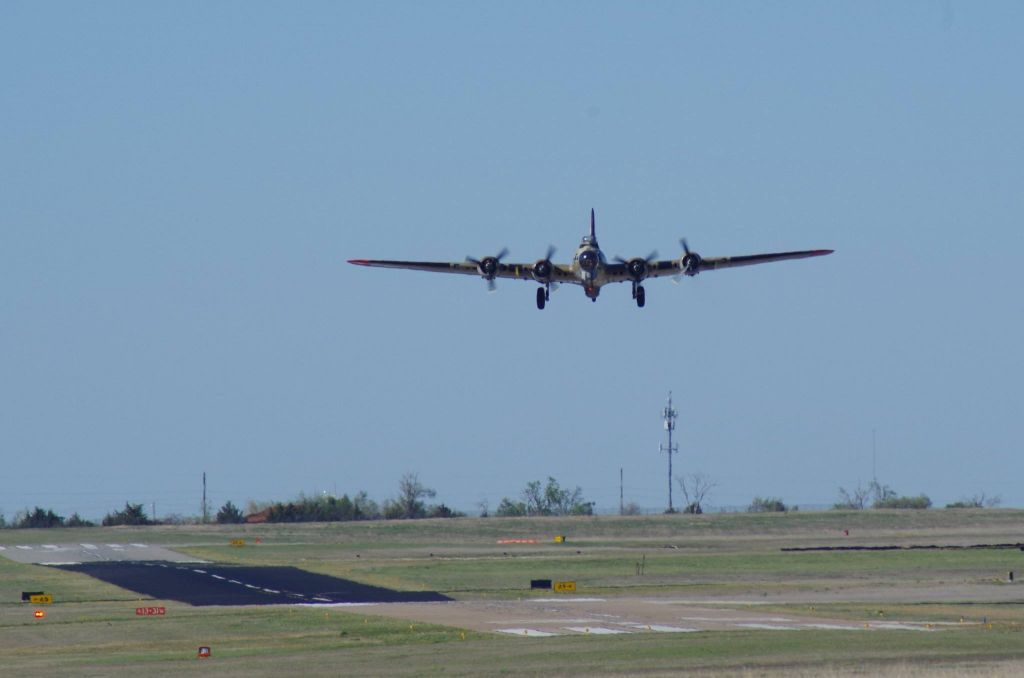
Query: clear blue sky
[{"x": 181, "y": 185}]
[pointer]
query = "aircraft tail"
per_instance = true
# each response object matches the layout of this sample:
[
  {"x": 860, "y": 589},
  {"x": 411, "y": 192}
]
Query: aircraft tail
[{"x": 592, "y": 234}]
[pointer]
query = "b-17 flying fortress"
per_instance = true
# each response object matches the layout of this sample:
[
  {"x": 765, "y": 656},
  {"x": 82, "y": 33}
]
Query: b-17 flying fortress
[{"x": 589, "y": 268}]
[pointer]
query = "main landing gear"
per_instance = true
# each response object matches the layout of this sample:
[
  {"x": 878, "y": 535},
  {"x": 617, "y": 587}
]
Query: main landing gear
[
  {"x": 639, "y": 295},
  {"x": 543, "y": 294}
]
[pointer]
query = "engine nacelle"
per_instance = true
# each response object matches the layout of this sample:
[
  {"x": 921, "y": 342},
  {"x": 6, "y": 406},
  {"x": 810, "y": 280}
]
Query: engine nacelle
[
  {"x": 543, "y": 271},
  {"x": 637, "y": 269},
  {"x": 488, "y": 267},
  {"x": 690, "y": 263}
]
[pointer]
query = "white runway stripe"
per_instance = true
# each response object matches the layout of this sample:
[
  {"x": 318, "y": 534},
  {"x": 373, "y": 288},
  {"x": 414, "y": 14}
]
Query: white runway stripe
[{"x": 534, "y": 633}]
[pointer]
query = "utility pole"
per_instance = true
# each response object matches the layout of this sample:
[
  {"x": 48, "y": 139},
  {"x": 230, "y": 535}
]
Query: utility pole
[
  {"x": 622, "y": 507},
  {"x": 670, "y": 425},
  {"x": 206, "y": 509}
]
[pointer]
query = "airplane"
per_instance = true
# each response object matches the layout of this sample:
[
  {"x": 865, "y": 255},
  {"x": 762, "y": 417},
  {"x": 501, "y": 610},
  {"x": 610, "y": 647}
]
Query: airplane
[{"x": 589, "y": 267}]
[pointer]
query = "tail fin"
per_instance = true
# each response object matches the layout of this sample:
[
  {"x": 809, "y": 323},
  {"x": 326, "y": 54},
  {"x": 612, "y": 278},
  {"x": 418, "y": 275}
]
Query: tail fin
[{"x": 592, "y": 234}]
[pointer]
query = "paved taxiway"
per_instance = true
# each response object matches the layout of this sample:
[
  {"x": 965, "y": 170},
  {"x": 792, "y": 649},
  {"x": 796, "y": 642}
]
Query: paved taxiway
[{"x": 41, "y": 554}]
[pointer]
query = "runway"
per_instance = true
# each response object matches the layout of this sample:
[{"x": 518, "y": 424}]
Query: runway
[{"x": 212, "y": 584}]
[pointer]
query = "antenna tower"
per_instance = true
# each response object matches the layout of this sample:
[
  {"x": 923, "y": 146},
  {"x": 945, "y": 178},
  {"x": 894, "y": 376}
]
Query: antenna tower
[{"x": 670, "y": 416}]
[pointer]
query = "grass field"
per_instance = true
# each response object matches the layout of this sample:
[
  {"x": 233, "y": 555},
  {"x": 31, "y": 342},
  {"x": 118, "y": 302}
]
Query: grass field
[{"x": 731, "y": 561}]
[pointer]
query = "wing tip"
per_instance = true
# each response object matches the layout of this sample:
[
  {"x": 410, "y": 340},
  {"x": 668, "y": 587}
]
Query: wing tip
[{"x": 359, "y": 262}]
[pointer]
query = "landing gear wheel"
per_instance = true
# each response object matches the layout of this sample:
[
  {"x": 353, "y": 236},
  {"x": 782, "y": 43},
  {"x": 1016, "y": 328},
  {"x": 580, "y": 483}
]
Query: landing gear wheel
[
  {"x": 641, "y": 296},
  {"x": 541, "y": 297}
]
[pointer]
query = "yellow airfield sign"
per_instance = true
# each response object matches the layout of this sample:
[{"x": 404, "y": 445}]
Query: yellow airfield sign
[{"x": 564, "y": 586}]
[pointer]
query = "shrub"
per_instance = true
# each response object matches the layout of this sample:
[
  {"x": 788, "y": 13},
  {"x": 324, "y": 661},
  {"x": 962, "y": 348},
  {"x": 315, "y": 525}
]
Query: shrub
[
  {"x": 767, "y": 505},
  {"x": 919, "y": 502},
  {"x": 229, "y": 513},
  {"x": 78, "y": 521},
  {"x": 132, "y": 514}
]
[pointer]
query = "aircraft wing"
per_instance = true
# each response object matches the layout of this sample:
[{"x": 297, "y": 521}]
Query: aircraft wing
[
  {"x": 560, "y": 273},
  {"x": 713, "y": 263},
  {"x": 694, "y": 264}
]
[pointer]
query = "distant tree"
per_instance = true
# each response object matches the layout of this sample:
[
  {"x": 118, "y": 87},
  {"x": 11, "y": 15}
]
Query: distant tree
[
  {"x": 631, "y": 509},
  {"x": 547, "y": 500},
  {"x": 411, "y": 493},
  {"x": 442, "y": 511},
  {"x": 132, "y": 514},
  {"x": 364, "y": 508},
  {"x": 875, "y": 494},
  {"x": 695, "y": 487},
  {"x": 229, "y": 513},
  {"x": 510, "y": 509},
  {"x": 855, "y": 500},
  {"x": 881, "y": 494},
  {"x": 977, "y": 501},
  {"x": 484, "y": 507},
  {"x": 533, "y": 497},
  {"x": 39, "y": 517},
  {"x": 767, "y": 505},
  {"x": 77, "y": 521}
]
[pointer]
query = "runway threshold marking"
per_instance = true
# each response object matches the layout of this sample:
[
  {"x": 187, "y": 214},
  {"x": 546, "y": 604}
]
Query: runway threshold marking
[
  {"x": 533, "y": 633},
  {"x": 660, "y": 628}
]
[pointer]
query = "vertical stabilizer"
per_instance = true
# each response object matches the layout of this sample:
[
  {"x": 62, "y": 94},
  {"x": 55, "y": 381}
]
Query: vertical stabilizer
[{"x": 592, "y": 234}]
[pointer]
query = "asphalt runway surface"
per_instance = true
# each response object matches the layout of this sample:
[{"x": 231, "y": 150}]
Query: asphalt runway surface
[{"x": 212, "y": 584}]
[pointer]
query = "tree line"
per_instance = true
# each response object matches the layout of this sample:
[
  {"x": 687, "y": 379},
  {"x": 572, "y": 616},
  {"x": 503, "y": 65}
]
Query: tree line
[
  {"x": 697, "y": 486},
  {"x": 410, "y": 503}
]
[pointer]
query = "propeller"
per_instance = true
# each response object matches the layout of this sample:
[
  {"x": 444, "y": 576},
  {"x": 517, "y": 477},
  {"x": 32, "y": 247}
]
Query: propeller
[
  {"x": 488, "y": 267},
  {"x": 637, "y": 267},
  {"x": 691, "y": 261}
]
